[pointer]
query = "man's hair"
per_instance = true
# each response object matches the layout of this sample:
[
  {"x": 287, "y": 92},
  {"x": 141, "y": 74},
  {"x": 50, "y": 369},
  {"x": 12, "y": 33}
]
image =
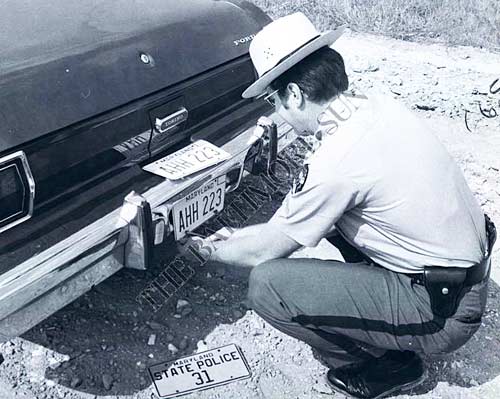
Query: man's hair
[{"x": 321, "y": 76}]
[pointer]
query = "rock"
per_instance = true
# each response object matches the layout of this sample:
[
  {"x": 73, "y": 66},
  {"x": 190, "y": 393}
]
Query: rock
[
  {"x": 141, "y": 366},
  {"x": 75, "y": 382},
  {"x": 426, "y": 107},
  {"x": 365, "y": 68},
  {"x": 53, "y": 363},
  {"x": 172, "y": 348},
  {"x": 183, "y": 344},
  {"x": 183, "y": 308},
  {"x": 201, "y": 346},
  {"x": 169, "y": 338},
  {"x": 237, "y": 314},
  {"x": 187, "y": 310},
  {"x": 107, "y": 381},
  {"x": 152, "y": 339},
  {"x": 155, "y": 326},
  {"x": 181, "y": 303}
]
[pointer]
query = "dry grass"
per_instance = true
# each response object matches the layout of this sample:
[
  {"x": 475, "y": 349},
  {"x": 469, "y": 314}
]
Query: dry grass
[{"x": 456, "y": 22}]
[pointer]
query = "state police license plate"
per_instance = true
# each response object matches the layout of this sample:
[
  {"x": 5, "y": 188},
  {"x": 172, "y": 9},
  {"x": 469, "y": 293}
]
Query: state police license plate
[
  {"x": 198, "y": 206},
  {"x": 201, "y": 371}
]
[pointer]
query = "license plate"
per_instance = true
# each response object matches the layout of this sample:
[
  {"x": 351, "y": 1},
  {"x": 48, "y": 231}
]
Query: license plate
[
  {"x": 198, "y": 206},
  {"x": 201, "y": 371},
  {"x": 191, "y": 159}
]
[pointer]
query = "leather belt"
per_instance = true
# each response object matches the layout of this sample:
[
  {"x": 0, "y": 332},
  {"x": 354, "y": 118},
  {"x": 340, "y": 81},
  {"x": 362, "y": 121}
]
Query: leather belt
[{"x": 476, "y": 273}]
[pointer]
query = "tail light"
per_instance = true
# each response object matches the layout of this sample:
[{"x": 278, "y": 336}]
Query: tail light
[{"x": 17, "y": 190}]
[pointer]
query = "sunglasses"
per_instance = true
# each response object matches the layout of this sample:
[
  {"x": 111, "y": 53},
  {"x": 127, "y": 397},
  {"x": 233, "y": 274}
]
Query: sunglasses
[{"x": 270, "y": 99}]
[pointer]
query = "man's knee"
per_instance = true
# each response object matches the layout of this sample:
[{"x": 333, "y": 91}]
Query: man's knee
[{"x": 262, "y": 281}]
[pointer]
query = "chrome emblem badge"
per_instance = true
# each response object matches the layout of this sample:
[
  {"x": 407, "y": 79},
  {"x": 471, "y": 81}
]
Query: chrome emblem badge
[{"x": 164, "y": 124}]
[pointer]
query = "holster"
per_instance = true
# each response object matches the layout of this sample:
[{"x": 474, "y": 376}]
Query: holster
[{"x": 444, "y": 286}]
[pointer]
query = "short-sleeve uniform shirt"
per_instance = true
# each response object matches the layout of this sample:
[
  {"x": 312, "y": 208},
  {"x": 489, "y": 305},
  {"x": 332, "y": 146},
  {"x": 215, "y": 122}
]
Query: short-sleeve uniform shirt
[{"x": 385, "y": 183}]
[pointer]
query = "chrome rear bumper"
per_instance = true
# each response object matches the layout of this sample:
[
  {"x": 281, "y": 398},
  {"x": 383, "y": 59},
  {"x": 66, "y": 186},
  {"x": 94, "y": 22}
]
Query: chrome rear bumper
[{"x": 50, "y": 280}]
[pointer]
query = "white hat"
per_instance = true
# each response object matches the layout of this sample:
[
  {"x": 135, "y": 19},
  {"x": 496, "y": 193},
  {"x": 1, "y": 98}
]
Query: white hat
[{"x": 282, "y": 44}]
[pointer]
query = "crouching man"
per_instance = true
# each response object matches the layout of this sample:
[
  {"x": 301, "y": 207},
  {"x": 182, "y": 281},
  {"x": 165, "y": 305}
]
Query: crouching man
[{"x": 386, "y": 193}]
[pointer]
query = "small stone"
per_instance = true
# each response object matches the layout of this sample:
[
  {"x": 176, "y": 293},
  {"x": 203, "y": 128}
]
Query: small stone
[
  {"x": 237, "y": 314},
  {"x": 75, "y": 382},
  {"x": 183, "y": 344},
  {"x": 107, "y": 381},
  {"x": 172, "y": 348},
  {"x": 365, "y": 68},
  {"x": 426, "y": 107},
  {"x": 152, "y": 339},
  {"x": 169, "y": 338},
  {"x": 155, "y": 326},
  {"x": 187, "y": 310},
  {"x": 181, "y": 303},
  {"x": 141, "y": 366},
  {"x": 201, "y": 346},
  {"x": 151, "y": 356}
]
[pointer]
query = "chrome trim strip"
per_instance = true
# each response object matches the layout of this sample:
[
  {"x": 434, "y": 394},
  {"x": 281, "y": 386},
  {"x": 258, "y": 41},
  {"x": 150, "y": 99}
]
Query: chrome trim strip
[{"x": 31, "y": 186}]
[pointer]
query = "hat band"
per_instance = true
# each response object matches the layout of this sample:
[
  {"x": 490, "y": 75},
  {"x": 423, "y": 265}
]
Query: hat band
[{"x": 292, "y": 53}]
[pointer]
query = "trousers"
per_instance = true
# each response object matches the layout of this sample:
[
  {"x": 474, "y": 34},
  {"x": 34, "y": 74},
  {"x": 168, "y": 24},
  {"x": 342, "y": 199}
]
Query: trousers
[{"x": 355, "y": 310}]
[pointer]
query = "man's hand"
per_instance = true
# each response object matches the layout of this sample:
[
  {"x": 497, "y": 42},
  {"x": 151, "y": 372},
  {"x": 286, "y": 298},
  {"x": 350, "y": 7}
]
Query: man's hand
[{"x": 196, "y": 248}]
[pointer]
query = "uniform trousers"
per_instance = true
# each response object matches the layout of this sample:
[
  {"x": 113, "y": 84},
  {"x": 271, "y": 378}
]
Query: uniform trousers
[{"x": 356, "y": 310}]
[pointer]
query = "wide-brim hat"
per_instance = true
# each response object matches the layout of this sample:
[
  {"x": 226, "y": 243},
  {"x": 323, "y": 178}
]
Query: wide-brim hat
[{"x": 282, "y": 44}]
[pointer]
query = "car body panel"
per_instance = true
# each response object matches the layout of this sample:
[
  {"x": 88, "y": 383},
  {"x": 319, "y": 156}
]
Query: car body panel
[{"x": 70, "y": 60}]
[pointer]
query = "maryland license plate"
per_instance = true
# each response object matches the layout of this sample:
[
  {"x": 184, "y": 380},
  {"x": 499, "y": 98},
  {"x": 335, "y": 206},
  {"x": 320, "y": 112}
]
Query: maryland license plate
[
  {"x": 191, "y": 159},
  {"x": 201, "y": 371},
  {"x": 198, "y": 206}
]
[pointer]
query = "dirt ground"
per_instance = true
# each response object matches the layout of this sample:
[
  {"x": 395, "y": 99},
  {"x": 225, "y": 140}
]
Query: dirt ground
[{"x": 98, "y": 346}]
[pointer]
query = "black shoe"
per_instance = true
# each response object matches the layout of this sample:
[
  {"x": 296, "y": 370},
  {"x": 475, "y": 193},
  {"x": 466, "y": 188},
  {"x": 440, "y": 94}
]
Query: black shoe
[{"x": 380, "y": 377}]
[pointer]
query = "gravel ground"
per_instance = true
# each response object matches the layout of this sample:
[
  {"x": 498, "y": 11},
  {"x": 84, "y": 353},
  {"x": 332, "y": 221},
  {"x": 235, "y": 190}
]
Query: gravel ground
[{"x": 101, "y": 344}]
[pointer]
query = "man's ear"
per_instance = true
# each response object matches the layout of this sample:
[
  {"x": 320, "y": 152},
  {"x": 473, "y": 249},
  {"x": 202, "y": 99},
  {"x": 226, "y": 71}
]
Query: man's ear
[{"x": 295, "y": 96}]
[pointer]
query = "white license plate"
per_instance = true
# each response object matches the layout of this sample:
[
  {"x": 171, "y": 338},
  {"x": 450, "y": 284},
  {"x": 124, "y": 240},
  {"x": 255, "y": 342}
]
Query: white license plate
[
  {"x": 201, "y": 371},
  {"x": 198, "y": 206},
  {"x": 191, "y": 159}
]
